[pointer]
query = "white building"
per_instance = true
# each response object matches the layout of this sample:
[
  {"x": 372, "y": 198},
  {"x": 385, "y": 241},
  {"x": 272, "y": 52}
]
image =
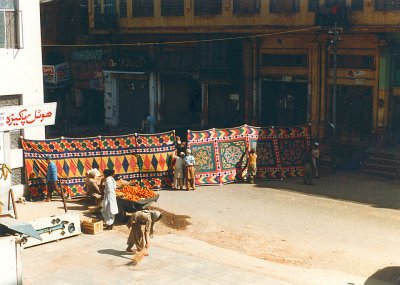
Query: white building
[{"x": 21, "y": 80}]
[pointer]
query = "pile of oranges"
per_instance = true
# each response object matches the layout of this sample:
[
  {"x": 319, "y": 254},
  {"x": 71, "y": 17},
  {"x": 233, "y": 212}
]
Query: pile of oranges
[{"x": 134, "y": 192}]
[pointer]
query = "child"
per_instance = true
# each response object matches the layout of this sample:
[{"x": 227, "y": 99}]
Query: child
[{"x": 252, "y": 162}]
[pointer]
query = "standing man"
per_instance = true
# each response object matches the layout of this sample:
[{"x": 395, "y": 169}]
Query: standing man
[
  {"x": 189, "y": 170},
  {"x": 51, "y": 178},
  {"x": 109, "y": 206},
  {"x": 252, "y": 162}
]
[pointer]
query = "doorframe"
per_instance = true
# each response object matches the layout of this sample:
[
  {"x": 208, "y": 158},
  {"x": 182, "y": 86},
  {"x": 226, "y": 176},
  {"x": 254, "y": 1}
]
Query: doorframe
[{"x": 111, "y": 94}]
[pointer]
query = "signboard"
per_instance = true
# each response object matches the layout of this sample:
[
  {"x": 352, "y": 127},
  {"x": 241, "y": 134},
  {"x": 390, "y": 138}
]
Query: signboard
[
  {"x": 87, "y": 55},
  {"x": 20, "y": 117},
  {"x": 49, "y": 73},
  {"x": 129, "y": 62},
  {"x": 55, "y": 74}
]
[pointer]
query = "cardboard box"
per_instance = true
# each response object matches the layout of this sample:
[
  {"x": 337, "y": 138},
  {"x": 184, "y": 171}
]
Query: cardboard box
[{"x": 92, "y": 226}]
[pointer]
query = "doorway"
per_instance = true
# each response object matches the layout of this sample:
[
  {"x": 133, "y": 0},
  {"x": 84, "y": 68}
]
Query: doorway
[
  {"x": 354, "y": 113},
  {"x": 284, "y": 103},
  {"x": 181, "y": 100},
  {"x": 225, "y": 106},
  {"x": 92, "y": 107},
  {"x": 133, "y": 95}
]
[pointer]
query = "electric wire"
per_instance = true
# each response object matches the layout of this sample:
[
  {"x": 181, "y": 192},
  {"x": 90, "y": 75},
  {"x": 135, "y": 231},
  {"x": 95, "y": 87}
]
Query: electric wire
[{"x": 186, "y": 41}]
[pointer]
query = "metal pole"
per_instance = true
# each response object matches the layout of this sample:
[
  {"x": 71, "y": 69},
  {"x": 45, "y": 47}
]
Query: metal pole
[
  {"x": 334, "y": 121},
  {"x": 334, "y": 95}
]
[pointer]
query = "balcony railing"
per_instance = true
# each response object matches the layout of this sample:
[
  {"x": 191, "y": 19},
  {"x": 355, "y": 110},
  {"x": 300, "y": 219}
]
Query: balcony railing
[{"x": 11, "y": 29}]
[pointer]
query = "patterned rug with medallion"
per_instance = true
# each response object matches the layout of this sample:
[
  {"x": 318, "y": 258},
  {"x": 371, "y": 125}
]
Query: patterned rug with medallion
[{"x": 221, "y": 153}]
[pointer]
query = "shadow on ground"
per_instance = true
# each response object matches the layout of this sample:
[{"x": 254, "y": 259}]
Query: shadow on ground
[
  {"x": 114, "y": 252},
  {"x": 345, "y": 186},
  {"x": 386, "y": 276}
]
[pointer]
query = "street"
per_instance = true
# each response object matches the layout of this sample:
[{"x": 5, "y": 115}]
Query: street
[{"x": 341, "y": 230}]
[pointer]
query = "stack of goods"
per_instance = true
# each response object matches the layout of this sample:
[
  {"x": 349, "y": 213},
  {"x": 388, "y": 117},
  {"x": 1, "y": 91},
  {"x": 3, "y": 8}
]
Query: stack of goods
[{"x": 135, "y": 192}]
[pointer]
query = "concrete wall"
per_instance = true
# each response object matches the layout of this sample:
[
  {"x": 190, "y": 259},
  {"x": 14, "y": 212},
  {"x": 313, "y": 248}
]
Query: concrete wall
[{"x": 21, "y": 74}]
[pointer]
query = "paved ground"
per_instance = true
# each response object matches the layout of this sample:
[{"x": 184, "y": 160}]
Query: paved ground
[{"x": 342, "y": 230}]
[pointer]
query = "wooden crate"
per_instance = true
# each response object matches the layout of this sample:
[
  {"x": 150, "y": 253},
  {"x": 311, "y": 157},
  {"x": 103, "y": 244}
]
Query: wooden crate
[{"x": 92, "y": 226}]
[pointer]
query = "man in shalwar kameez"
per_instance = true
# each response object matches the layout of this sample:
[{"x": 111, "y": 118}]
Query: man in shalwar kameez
[
  {"x": 109, "y": 205},
  {"x": 141, "y": 224}
]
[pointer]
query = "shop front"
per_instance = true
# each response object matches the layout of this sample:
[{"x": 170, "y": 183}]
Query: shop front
[
  {"x": 354, "y": 113},
  {"x": 129, "y": 89},
  {"x": 284, "y": 103}
]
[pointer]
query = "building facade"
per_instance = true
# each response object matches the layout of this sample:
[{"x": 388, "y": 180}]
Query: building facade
[
  {"x": 21, "y": 78},
  {"x": 222, "y": 63}
]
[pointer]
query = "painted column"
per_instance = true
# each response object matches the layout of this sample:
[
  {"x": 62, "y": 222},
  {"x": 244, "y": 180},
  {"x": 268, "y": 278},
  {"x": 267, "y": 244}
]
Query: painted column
[
  {"x": 324, "y": 102},
  {"x": 314, "y": 90},
  {"x": 153, "y": 96},
  {"x": 204, "y": 105},
  {"x": 110, "y": 100},
  {"x": 256, "y": 106},
  {"x": 251, "y": 84},
  {"x": 382, "y": 101},
  {"x": 159, "y": 98}
]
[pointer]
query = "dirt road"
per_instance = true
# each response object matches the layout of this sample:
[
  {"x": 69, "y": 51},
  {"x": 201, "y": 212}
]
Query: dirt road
[{"x": 348, "y": 223}]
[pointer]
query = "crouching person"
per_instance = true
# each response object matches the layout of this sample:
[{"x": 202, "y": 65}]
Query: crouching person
[{"x": 141, "y": 224}]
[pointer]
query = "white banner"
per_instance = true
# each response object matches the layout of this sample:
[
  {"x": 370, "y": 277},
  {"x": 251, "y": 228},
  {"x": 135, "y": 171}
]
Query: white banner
[{"x": 20, "y": 117}]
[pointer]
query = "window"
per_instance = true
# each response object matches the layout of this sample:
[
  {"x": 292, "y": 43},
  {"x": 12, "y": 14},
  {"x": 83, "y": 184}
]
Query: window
[
  {"x": 285, "y": 60},
  {"x": 246, "y": 7},
  {"x": 357, "y": 5},
  {"x": 142, "y": 8},
  {"x": 313, "y": 5},
  {"x": 8, "y": 25},
  {"x": 387, "y": 5},
  {"x": 284, "y": 6},
  {"x": 354, "y": 61},
  {"x": 172, "y": 8},
  {"x": 207, "y": 7},
  {"x": 97, "y": 13},
  {"x": 110, "y": 8},
  {"x": 123, "y": 8}
]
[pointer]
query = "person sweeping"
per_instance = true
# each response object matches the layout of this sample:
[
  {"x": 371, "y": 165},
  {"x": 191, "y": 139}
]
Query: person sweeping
[{"x": 141, "y": 224}]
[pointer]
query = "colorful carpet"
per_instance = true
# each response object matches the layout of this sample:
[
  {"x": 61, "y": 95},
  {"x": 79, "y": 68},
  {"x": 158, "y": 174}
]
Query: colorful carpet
[
  {"x": 220, "y": 153},
  {"x": 134, "y": 157}
]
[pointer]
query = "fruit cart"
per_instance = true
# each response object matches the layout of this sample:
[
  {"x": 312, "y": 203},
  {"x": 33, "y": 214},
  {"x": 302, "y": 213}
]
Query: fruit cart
[{"x": 130, "y": 206}]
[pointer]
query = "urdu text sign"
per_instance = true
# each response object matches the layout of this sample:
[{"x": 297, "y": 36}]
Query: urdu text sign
[{"x": 20, "y": 117}]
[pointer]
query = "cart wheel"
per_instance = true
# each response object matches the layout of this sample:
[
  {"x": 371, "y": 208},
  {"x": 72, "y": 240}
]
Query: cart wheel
[{"x": 121, "y": 216}]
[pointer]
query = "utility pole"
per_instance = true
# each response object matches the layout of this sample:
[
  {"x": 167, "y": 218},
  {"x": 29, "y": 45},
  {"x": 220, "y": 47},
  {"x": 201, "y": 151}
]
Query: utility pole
[{"x": 335, "y": 31}]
